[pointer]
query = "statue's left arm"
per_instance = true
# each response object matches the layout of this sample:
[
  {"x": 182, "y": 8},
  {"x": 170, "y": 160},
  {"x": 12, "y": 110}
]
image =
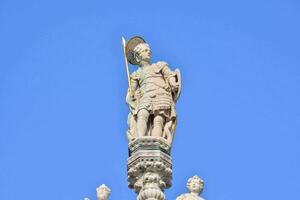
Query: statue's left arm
[
  {"x": 169, "y": 76},
  {"x": 173, "y": 78}
]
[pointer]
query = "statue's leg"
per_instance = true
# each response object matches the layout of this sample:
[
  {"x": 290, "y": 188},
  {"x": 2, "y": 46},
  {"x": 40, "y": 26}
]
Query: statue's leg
[
  {"x": 142, "y": 119},
  {"x": 158, "y": 124}
]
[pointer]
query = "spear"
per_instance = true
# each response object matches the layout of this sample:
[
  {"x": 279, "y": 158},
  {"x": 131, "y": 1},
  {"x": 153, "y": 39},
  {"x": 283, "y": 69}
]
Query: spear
[{"x": 126, "y": 63}]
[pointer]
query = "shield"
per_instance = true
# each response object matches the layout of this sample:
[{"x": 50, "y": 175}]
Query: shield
[
  {"x": 131, "y": 44},
  {"x": 178, "y": 80}
]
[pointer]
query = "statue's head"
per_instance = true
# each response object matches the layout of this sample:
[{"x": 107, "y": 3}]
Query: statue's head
[
  {"x": 103, "y": 192},
  {"x": 195, "y": 184},
  {"x": 142, "y": 52},
  {"x": 137, "y": 51}
]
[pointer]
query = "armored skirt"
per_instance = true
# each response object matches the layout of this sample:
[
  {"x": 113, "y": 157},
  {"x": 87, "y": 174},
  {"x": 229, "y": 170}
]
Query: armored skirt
[{"x": 155, "y": 93}]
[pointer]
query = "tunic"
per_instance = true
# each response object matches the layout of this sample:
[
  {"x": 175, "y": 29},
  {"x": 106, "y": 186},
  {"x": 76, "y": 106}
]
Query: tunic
[{"x": 154, "y": 90}]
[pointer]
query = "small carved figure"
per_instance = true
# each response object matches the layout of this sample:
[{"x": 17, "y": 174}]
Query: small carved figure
[
  {"x": 103, "y": 192},
  {"x": 152, "y": 94},
  {"x": 195, "y": 186}
]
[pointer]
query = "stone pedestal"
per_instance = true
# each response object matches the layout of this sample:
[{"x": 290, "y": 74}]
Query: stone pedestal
[{"x": 149, "y": 167}]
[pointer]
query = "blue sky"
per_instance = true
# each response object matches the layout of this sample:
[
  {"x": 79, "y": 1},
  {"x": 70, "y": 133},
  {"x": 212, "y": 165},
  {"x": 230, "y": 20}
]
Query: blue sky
[{"x": 63, "y": 85}]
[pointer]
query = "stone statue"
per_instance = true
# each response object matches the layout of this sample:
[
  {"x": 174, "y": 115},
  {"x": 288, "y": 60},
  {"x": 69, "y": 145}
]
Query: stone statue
[
  {"x": 195, "y": 186},
  {"x": 153, "y": 91},
  {"x": 103, "y": 192}
]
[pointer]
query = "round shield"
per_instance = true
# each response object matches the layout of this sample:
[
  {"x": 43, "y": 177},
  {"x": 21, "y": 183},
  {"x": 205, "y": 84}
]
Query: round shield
[{"x": 131, "y": 44}]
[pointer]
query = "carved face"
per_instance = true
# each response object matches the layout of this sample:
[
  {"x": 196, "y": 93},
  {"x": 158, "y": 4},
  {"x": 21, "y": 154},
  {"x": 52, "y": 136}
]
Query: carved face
[
  {"x": 142, "y": 53},
  {"x": 195, "y": 186}
]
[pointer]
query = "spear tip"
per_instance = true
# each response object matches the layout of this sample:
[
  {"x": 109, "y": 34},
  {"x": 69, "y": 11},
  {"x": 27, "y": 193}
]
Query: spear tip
[{"x": 123, "y": 41}]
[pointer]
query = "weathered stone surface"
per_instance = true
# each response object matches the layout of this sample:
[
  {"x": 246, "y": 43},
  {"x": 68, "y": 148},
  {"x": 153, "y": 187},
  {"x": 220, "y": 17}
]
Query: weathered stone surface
[
  {"x": 152, "y": 94},
  {"x": 103, "y": 192},
  {"x": 149, "y": 143},
  {"x": 195, "y": 186},
  {"x": 149, "y": 167}
]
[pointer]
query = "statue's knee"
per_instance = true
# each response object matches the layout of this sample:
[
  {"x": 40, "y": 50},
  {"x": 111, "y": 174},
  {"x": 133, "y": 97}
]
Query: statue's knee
[
  {"x": 143, "y": 115},
  {"x": 158, "y": 121}
]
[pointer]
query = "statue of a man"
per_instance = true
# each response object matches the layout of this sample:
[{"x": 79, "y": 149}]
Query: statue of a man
[
  {"x": 155, "y": 89},
  {"x": 103, "y": 192},
  {"x": 195, "y": 186}
]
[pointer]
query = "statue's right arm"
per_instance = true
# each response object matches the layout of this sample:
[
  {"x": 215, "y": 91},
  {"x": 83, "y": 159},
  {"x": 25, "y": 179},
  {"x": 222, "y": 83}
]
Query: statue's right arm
[
  {"x": 134, "y": 86},
  {"x": 134, "y": 80}
]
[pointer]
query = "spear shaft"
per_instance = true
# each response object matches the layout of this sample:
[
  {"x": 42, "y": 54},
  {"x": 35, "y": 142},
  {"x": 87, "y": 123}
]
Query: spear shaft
[{"x": 127, "y": 68}]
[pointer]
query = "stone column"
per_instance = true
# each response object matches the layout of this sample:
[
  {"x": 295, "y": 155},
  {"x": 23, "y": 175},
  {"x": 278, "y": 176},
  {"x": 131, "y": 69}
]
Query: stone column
[{"x": 149, "y": 167}]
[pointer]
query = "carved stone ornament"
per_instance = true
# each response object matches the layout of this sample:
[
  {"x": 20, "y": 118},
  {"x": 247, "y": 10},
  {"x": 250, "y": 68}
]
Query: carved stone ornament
[
  {"x": 152, "y": 94},
  {"x": 103, "y": 192},
  {"x": 153, "y": 89},
  {"x": 195, "y": 186},
  {"x": 149, "y": 167}
]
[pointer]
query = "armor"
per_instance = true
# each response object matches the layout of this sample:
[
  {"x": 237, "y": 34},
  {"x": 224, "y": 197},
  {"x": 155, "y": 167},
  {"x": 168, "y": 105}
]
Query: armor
[{"x": 153, "y": 91}]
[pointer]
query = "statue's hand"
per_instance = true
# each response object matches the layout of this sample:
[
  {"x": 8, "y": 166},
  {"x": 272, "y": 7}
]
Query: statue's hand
[
  {"x": 131, "y": 101},
  {"x": 130, "y": 98},
  {"x": 174, "y": 86},
  {"x": 173, "y": 83}
]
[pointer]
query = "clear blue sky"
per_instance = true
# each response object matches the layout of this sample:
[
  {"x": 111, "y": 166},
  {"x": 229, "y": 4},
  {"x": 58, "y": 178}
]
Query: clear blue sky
[{"x": 63, "y": 84}]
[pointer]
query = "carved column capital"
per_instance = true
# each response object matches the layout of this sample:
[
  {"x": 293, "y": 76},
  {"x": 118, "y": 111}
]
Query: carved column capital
[{"x": 149, "y": 167}]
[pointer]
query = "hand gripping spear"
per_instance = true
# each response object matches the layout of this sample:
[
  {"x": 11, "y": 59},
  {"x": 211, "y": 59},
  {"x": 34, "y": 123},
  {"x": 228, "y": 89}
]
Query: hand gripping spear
[{"x": 126, "y": 63}]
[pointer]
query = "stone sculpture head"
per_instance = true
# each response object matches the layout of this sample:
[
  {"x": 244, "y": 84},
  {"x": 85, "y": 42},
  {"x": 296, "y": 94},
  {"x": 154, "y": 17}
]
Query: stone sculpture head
[
  {"x": 103, "y": 192},
  {"x": 195, "y": 184},
  {"x": 142, "y": 53},
  {"x": 137, "y": 51}
]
